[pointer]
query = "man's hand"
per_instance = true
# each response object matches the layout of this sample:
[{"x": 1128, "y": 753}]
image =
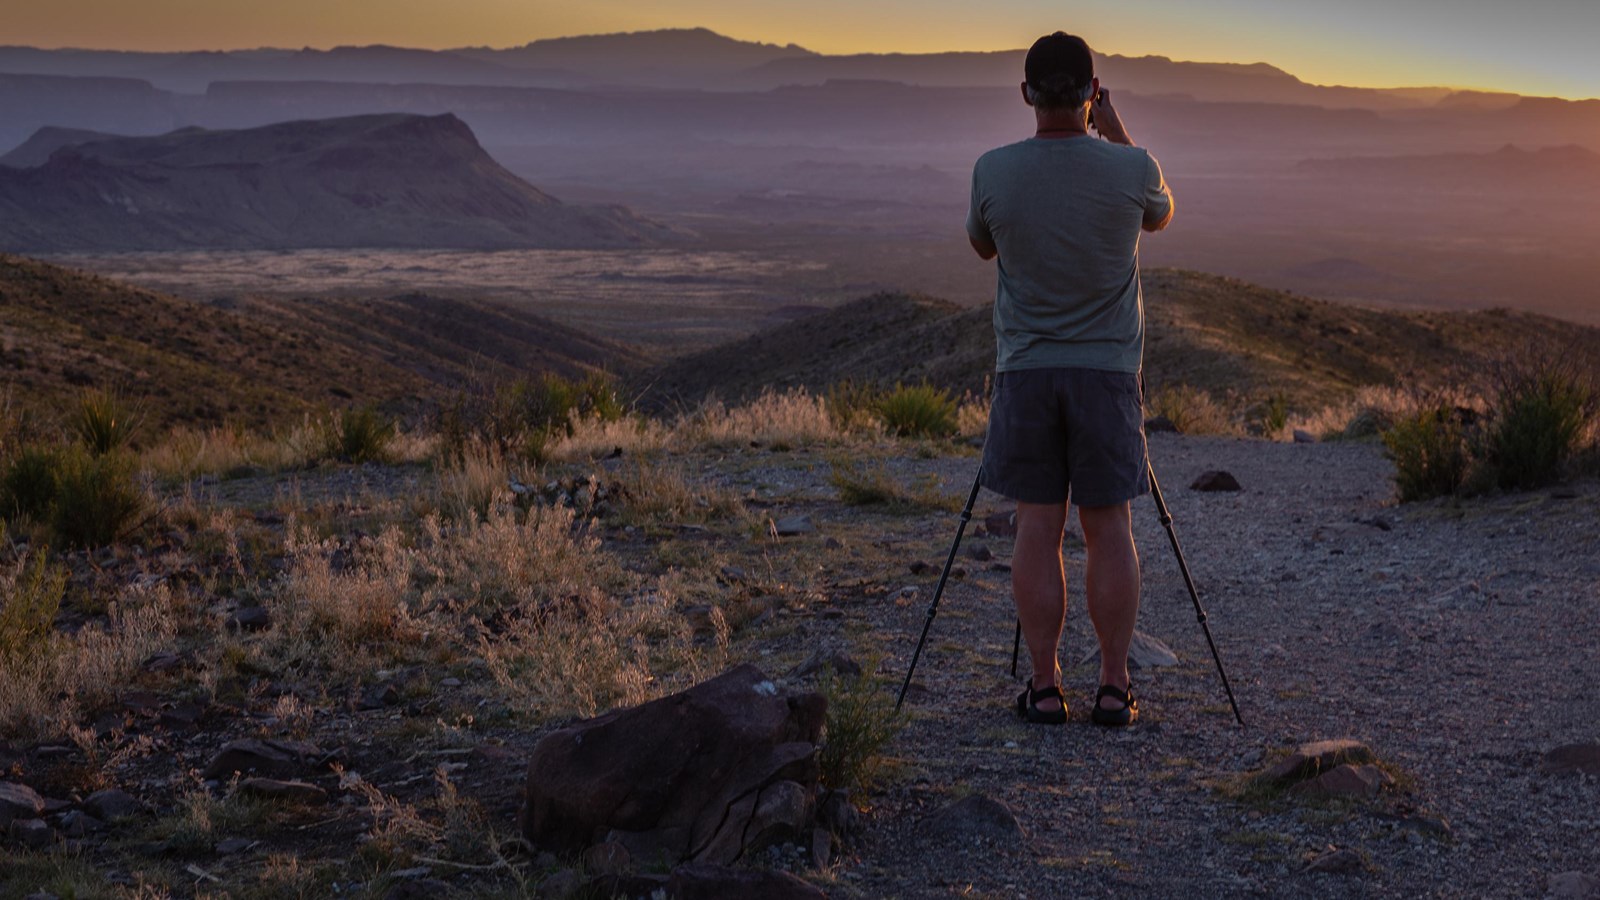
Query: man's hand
[{"x": 1106, "y": 121}]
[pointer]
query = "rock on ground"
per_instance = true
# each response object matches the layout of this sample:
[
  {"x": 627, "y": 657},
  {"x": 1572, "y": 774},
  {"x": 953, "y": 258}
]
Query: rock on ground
[
  {"x": 700, "y": 776},
  {"x": 1146, "y": 652},
  {"x": 976, "y": 816},
  {"x": 18, "y": 801}
]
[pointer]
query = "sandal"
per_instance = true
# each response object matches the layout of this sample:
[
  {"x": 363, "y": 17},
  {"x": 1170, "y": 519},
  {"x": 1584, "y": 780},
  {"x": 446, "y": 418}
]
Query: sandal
[
  {"x": 1115, "y": 718},
  {"x": 1028, "y": 705}
]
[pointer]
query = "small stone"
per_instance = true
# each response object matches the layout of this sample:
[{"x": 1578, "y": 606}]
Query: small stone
[
  {"x": 1159, "y": 425},
  {"x": 1310, "y": 760},
  {"x": 1215, "y": 480},
  {"x": 1002, "y": 523},
  {"x": 109, "y": 805},
  {"x": 1569, "y": 758},
  {"x": 790, "y": 526},
  {"x": 1573, "y": 886},
  {"x": 295, "y": 792},
  {"x": 1146, "y": 652},
  {"x": 821, "y": 847},
  {"x": 234, "y": 846},
  {"x": 18, "y": 801},
  {"x": 412, "y": 873},
  {"x": 980, "y": 552},
  {"x": 920, "y": 568},
  {"x": 250, "y": 618},
  {"x": 733, "y": 575},
  {"x": 559, "y": 885},
  {"x": 1301, "y": 436},
  {"x": 77, "y": 823},
  {"x": 33, "y": 834},
  {"x": 182, "y": 717},
  {"x": 1337, "y": 861},
  {"x": 833, "y": 544},
  {"x": 379, "y": 696},
  {"x": 1345, "y": 781},
  {"x": 820, "y": 659},
  {"x": 976, "y": 816},
  {"x": 163, "y": 662},
  {"x": 269, "y": 759},
  {"x": 449, "y": 682},
  {"x": 609, "y": 858}
]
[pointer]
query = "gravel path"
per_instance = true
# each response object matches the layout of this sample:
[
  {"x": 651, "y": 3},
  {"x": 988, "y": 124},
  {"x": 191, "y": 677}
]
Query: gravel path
[{"x": 1458, "y": 640}]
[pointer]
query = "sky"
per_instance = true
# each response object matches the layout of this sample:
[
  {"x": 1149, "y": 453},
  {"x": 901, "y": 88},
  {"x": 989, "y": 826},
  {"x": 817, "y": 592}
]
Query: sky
[{"x": 1543, "y": 47}]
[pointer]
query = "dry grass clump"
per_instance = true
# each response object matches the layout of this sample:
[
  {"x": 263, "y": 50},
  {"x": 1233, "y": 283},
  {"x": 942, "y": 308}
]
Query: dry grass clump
[
  {"x": 334, "y": 614},
  {"x": 469, "y": 483},
  {"x": 972, "y": 415},
  {"x": 780, "y": 421},
  {"x": 660, "y": 493},
  {"x": 510, "y": 562},
  {"x": 188, "y": 453},
  {"x": 48, "y": 679},
  {"x": 594, "y": 437},
  {"x": 872, "y": 484},
  {"x": 1192, "y": 410},
  {"x": 592, "y": 652}
]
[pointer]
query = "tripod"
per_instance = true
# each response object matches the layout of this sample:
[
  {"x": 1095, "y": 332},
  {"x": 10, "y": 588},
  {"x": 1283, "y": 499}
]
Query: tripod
[{"x": 1183, "y": 567}]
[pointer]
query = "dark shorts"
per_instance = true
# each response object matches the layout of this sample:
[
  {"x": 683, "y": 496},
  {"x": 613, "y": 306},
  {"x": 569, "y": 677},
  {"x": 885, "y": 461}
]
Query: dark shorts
[{"x": 1058, "y": 431}]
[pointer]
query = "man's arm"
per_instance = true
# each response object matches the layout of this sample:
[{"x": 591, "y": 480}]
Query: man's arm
[
  {"x": 986, "y": 249},
  {"x": 1157, "y": 224}
]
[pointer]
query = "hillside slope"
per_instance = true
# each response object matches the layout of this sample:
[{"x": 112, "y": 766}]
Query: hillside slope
[
  {"x": 1206, "y": 331},
  {"x": 261, "y": 362},
  {"x": 391, "y": 180}
]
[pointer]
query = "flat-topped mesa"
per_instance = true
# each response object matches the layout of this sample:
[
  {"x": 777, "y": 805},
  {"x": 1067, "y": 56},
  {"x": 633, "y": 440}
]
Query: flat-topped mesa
[{"x": 388, "y": 180}]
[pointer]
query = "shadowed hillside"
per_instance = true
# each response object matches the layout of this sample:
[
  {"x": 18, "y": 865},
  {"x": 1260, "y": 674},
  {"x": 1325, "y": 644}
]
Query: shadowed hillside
[
  {"x": 262, "y": 361},
  {"x": 365, "y": 181},
  {"x": 1206, "y": 331}
]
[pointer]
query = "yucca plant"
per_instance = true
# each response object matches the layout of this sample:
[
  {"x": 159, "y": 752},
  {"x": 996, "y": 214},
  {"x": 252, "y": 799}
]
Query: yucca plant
[{"x": 920, "y": 410}]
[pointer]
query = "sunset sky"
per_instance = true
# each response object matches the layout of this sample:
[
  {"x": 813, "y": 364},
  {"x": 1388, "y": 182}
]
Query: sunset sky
[{"x": 1532, "y": 47}]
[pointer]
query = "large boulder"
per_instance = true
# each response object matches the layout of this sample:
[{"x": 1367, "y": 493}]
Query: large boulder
[{"x": 700, "y": 776}]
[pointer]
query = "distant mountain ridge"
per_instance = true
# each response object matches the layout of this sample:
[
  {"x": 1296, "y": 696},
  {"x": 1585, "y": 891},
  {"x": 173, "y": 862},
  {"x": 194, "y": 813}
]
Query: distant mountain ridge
[
  {"x": 267, "y": 361},
  {"x": 390, "y": 180},
  {"x": 1215, "y": 333}
]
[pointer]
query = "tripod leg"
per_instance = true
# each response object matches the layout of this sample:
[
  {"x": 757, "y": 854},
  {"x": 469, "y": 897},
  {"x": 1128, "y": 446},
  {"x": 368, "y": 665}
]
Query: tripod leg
[
  {"x": 1188, "y": 581},
  {"x": 1016, "y": 648},
  {"x": 933, "y": 608}
]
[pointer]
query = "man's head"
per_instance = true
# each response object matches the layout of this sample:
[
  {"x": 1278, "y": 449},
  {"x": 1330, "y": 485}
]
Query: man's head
[{"x": 1059, "y": 72}]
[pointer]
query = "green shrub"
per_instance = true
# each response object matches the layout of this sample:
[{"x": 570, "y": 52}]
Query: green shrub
[
  {"x": 30, "y": 597},
  {"x": 852, "y": 406},
  {"x": 1429, "y": 450},
  {"x": 356, "y": 436},
  {"x": 518, "y": 418},
  {"x": 918, "y": 411},
  {"x": 1538, "y": 422},
  {"x": 29, "y": 482},
  {"x": 860, "y": 723},
  {"x": 1275, "y": 414},
  {"x": 103, "y": 422},
  {"x": 1191, "y": 410},
  {"x": 98, "y": 500}
]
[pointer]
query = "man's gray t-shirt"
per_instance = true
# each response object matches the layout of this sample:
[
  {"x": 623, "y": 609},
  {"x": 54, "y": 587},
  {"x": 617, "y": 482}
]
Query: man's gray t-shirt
[{"x": 1065, "y": 214}]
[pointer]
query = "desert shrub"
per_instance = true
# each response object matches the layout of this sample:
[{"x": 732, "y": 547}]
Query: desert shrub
[
  {"x": 874, "y": 485},
  {"x": 356, "y": 436},
  {"x": 852, "y": 406},
  {"x": 1191, "y": 410},
  {"x": 98, "y": 498},
  {"x": 45, "y": 689},
  {"x": 860, "y": 723},
  {"x": 1539, "y": 418},
  {"x": 30, "y": 479},
  {"x": 470, "y": 483},
  {"x": 920, "y": 410},
  {"x": 1275, "y": 415},
  {"x": 30, "y": 597},
  {"x": 521, "y": 418},
  {"x": 1429, "y": 450},
  {"x": 330, "y": 612},
  {"x": 781, "y": 421},
  {"x": 103, "y": 421}
]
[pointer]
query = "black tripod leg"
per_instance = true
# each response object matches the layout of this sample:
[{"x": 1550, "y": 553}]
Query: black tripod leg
[
  {"x": 933, "y": 608},
  {"x": 1016, "y": 648},
  {"x": 1188, "y": 581}
]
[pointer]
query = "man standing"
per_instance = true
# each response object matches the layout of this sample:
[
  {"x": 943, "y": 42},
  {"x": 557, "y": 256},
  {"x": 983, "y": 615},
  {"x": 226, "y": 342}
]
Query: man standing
[{"x": 1063, "y": 212}]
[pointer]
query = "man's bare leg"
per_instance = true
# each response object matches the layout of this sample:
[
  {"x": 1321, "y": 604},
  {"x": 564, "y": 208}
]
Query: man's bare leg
[
  {"x": 1111, "y": 576},
  {"x": 1040, "y": 586}
]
